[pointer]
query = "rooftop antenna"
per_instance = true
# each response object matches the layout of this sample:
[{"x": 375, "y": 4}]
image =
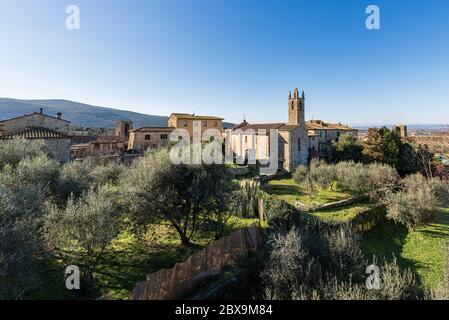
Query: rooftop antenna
[{"x": 244, "y": 117}]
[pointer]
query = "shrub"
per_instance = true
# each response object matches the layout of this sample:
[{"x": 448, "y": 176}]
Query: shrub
[
  {"x": 74, "y": 179},
  {"x": 395, "y": 284},
  {"x": 245, "y": 200},
  {"x": 300, "y": 175},
  {"x": 277, "y": 212},
  {"x": 20, "y": 219},
  {"x": 84, "y": 229},
  {"x": 348, "y": 148},
  {"x": 375, "y": 180},
  {"x": 417, "y": 203},
  {"x": 441, "y": 190},
  {"x": 315, "y": 263},
  {"x": 322, "y": 174},
  {"x": 13, "y": 151},
  {"x": 108, "y": 173},
  {"x": 302, "y": 261},
  {"x": 290, "y": 268}
]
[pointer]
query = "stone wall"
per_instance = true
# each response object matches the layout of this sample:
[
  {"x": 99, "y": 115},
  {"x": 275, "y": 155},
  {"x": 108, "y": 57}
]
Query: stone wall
[
  {"x": 174, "y": 283},
  {"x": 138, "y": 140},
  {"x": 60, "y": 148}
]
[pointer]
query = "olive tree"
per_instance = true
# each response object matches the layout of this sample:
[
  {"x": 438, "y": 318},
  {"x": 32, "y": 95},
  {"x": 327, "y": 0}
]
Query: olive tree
[
  {"x": 376, "y": 180},
  {"x": 74, "y": 179},
  {"x": 155, "y": 189},
  {"x": 14, "y": 150},
  {"x": 20, "y": 217},
  {"x": 312, "y": 263},
  {"x": 84, "y": 229},
  {"x": 418, "y": 202}
]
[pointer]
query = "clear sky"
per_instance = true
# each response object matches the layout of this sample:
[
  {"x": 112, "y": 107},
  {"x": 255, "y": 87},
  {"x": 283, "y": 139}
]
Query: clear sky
[{"x": 233, "y": 57}]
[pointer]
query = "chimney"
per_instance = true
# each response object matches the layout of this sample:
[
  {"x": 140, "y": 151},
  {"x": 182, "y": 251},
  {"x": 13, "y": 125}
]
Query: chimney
[{"x": 59, "y": 115}]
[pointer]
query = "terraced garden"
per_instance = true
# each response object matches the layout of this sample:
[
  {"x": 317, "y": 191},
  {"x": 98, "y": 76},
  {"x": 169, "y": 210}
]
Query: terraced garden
[{"x": 421, "y": 250}]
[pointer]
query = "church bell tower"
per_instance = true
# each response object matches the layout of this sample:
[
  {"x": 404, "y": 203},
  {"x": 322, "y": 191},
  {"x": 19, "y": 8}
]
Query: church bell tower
[{"x": 296, "y": 105}]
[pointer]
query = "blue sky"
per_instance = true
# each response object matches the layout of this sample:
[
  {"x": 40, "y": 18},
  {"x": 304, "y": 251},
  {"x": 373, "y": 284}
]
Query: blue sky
[{"x": 233, "y": 57}]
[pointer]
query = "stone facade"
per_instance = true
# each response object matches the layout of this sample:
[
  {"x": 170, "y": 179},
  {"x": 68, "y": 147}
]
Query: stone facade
[
  {"x": 149, "y": 138},
  {"x": 323, "y": 135},
  {"x": 34, "y": 120},
  {"x": 292, "y": 137},
  {"x": 401, "y": 130},
  {"x": 57, "y": 143},
  {"x": 187, "y": 121}
]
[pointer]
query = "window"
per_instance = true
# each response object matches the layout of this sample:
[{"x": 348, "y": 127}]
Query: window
[
  {"x": 204, "y": 123},
  {"x": 148, "y": 137},
  {"x": 185, "y": 123},
  {"x": 164, "y": 136},
  {"x": 216, "y": 124},
  {"x": 246, "y": 139}
]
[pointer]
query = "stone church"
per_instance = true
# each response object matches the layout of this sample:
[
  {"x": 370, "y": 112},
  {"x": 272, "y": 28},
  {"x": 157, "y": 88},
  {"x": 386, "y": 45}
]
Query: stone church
[{"x": 293, "y": 141}]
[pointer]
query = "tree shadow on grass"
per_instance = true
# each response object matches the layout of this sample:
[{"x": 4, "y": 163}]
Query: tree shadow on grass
[
  {"x": 120, "y": 270},
  {"x": 279, "y": 189},
  {"x": 387, "y": 240}
]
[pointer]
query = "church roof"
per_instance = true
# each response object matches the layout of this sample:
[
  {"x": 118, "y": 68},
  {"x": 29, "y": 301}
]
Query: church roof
[{"x": 259, "y": 126}]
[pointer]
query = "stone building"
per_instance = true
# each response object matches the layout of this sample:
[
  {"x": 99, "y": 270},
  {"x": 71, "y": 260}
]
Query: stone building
[
  {"x": 323, "y": 135},
  {"x": 36, "y": 119},
  {"x": 39, "y": 126},
  {"x": 401, "y": 130},
  {"x": 106, "y": 146},
  {"x": 187, "y": 121},
  {"x": 293, "y": 141},
  {"x": 149, "y": 137}
]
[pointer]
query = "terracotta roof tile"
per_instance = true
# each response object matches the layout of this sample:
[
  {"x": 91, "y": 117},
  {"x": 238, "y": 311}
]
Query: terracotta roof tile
[{"x": 36, "y": 133}]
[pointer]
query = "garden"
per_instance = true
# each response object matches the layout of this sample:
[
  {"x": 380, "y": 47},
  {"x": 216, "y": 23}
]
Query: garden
[{"x": 324, "y": 225}]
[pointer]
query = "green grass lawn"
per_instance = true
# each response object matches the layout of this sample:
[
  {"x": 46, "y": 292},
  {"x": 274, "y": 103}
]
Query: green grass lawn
[
  {"x": 286, "y": 189},
  {"x": 129, "y": 260},
  {"x": 420, "y": 250},
  {"x": 343, "y": 214}
]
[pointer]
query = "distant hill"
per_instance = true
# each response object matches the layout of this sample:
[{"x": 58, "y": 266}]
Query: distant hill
[
  {"x": 79, "y": 114},
  {"x": 413, "y": 127}
]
